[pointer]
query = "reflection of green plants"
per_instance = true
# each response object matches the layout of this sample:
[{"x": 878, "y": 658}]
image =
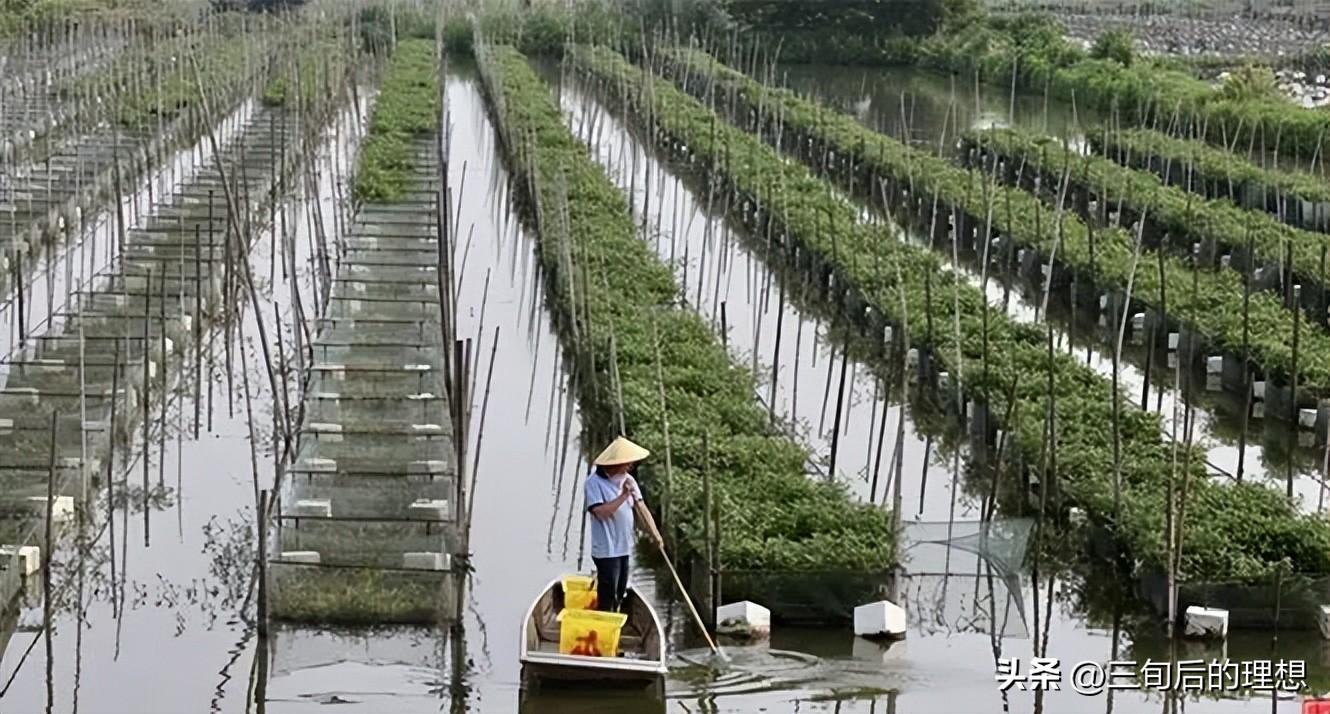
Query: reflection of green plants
[
  {"x": 353, "y": 596},
  {"x": 775, "y": 517}
]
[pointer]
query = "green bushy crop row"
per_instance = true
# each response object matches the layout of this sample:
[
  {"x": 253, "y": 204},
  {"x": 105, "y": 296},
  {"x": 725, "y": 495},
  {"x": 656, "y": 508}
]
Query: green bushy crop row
[
  {"x": 1034, "y": 50},
  {"x": 775, "y": 518},
  {"x": 1213, "y": 307},
  {"x": 1211, "y": 164},
  {"x": 1216, "y": 305},
  {"x": 407, "y": 105},
  {"x": 1233, "y": 531}
]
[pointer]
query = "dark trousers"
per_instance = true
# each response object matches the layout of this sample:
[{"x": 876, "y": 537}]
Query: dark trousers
[{"x": 611, "y": 582}]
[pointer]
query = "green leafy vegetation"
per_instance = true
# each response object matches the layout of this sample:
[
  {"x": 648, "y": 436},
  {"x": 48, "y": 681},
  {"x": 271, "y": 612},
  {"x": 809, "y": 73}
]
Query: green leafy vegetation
[
  {"x": 1116, "y": 45},
  {"x": 1208, "y": 164},
  {"x": 1032, "y": 50},
  {"x": 407, "y": 106},
  {"x": 776, "y": 518},
  {"x": 223, "y": 58},
  {"x": 1215, "y": 304},
  {"x": 1233, "y": 531}
]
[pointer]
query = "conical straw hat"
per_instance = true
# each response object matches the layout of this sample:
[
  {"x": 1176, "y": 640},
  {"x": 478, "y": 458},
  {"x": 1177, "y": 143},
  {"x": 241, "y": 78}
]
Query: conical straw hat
[{"x": 621, "y": 451}]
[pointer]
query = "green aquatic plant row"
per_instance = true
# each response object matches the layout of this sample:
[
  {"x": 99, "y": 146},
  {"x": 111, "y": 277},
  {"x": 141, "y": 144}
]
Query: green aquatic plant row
[
  {"x": 1233, "y": 531},
  {"x": 775, "y": 517},
  {"x": 1033, "y": 51},
  {"x": 1210, "y": 302},
  {"x": 407, "y": 106},
  {"x": 1209, "y": 164},
  {"x": 229, "y": 58},
  {"x": 1176, "y": 210}
]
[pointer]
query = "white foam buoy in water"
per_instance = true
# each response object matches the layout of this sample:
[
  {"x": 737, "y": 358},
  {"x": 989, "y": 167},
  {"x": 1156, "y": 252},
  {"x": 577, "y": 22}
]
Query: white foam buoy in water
[
  {"x": 1206, "y": 622},
  {"x": 311, "y": 557},
  {"x": 743, "y": 619},
  {"x": 881, "y": 619},
  {"x": 1323, "y": 620},
  {"x": 29, "y": 556}
]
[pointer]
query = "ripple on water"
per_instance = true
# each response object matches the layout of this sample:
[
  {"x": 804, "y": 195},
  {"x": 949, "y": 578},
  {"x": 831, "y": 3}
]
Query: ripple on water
[
  {"x": 355, "y": 687},
  {"x": 754, "y": 669}
]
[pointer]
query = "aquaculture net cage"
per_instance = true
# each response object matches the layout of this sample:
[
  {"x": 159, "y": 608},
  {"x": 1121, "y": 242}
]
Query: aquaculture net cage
[
  {"x": 367, "y": 514},
  {"x": 41, "y": 387},
  {"x": 965, "y": 576},
  {"x": 961, "y": 576},
  {"x": 1287, "y": 601}
]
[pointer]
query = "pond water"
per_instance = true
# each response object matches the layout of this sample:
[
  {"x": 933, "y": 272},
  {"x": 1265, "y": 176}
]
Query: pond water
[{"x": 184, "y": 647}]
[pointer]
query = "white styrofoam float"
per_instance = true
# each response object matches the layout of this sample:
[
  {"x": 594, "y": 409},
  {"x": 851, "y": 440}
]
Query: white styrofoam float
[
  {"x": 743, "y": 619},
  {"x": 1205, "y": 622},
  {"x": 30, "y": 557},
  {"x": 432, "y": 560},
  {"x": 881, "y": 619}
]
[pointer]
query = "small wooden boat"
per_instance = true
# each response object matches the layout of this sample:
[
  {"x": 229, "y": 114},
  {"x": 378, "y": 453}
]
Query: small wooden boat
[{"x": 641, "y": 660}]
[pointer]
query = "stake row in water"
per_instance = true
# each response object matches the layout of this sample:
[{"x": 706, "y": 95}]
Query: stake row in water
[
  {"x": 1231, "y": 527},
  {"x": 612, "y": 288}
]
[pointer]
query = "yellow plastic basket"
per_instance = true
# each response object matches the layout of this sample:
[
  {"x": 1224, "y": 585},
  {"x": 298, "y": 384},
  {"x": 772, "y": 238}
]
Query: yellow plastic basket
[
  {"x": 590, "y": 633},
  {"x": 579, "y": 592}
]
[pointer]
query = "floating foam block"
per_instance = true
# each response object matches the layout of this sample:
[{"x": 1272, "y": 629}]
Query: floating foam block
[
  {"x": 1323, "y": 620},
  {"x": 29, "y": 557},
  {"x": 62, "y": 509},
  {"x": 330, "y": 396},
  {"x": 428, "y": 466},
  {"x": 302, "y": 556},
  {"x": 314, "y": 508},
  {"x": 1307, "y": 418},
  {"x": 1206, "y": 622},
  {"x": 743, "y": 619},
  {"x": 6, "y": 425},
  {"x": 416, "y": 367},
  {"x": 420, "y": 397},
  {"x": 426, "y": 429},
  {"x": 1214, "y": 365},
  {"x": 431, "y": 509},
  {"x": 320, "y": 465},
  {"x": 426, "y": 561},
  {"x": 883, "y": 619},
  {"x": 1137, "y": 322},
  {"x": 1173, "y": 340},
  {"x": 1258, "y": 389},
  {"x": 326, "y": 432}
]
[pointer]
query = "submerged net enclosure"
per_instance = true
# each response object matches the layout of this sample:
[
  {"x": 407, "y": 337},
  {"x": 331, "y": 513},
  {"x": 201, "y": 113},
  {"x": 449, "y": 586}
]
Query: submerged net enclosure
[
  {"x": 367, "y": 516},
  {"x": 106, "y": 363},
  {"x": 963, "y": 576}
]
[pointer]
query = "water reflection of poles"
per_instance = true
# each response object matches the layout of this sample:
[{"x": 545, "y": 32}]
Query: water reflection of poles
[{"x": 47, "y": 553}]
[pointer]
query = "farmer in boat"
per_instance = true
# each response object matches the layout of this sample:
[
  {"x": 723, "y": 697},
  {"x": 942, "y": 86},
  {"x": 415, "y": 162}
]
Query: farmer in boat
[{"x": 612, "y": 496}]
